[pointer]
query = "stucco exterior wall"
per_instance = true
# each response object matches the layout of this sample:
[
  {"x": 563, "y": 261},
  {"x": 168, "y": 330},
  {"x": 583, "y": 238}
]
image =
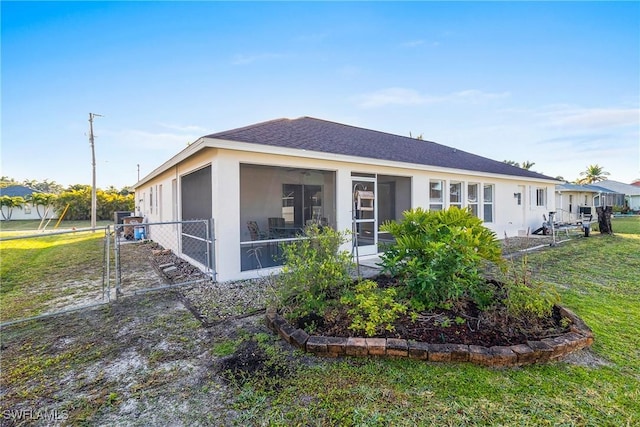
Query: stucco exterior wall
[{"x": 509, "y": 216}]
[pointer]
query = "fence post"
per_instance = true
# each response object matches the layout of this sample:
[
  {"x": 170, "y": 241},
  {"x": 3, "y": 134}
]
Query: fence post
[
  {"x": 116, "y": 256},
  {"x": 107, "y": 237}
]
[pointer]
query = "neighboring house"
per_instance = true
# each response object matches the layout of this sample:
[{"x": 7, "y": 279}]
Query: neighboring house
[
  {"x": 575, "y": 200},
  {"x": 262, "y": 183},
  {"x": 28, "y": 210},
  {"x": 631, "y": 193}
]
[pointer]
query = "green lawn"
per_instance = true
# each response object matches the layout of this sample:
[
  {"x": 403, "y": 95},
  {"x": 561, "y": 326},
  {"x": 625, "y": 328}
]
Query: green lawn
[
  {"x": 598, "y": 279},
  {"x": 626, "y": 225},
  {"x": 37, "y": 270},
  {"x": 596, "y": 276}
]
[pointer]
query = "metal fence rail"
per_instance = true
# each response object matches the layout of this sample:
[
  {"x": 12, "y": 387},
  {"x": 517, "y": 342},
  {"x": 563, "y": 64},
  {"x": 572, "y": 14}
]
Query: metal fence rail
[
  {"x": 154, "y": 256},
  {"x": 94, "y": 266},
  {"x": 74, "y": 274}
]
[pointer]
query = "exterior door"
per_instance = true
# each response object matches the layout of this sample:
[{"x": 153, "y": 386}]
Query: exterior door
[{"x": 364, "y": 215}]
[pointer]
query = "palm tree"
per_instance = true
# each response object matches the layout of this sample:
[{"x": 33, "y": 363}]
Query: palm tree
[
  {"x": 45, "y": 200},
  {"x": 594, "y": 173},
  {"x": 10, "y": 203},
  {"x": 527, "y": 165}
]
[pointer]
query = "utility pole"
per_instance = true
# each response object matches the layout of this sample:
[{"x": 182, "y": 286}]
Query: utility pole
[
  {"x": 138, "y": 171},
  {"x": 94, "y": 200}
]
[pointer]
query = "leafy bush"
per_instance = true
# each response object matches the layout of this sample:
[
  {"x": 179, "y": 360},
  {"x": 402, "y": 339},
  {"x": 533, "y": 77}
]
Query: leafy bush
[
  {"x": 438, "y": 254},
  {"x": 314, "y": 271},
  {"x": 373, "y": 309},
  {"x": 524, "y": 296}
]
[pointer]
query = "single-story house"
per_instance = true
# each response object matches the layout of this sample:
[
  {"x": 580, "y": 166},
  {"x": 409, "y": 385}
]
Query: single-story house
[
  {"x": 631, "y": 193},
  {"x": 575, "y": 201},
  {"x": 28, "y": 210},
  {"x": 262, "y": 183}
]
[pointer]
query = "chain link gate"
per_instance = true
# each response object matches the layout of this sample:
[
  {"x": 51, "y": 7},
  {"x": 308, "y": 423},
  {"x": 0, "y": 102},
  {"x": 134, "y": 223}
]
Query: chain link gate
[
  {"x": 74, "y": 275},
  {"x": 152, "y": 256}
]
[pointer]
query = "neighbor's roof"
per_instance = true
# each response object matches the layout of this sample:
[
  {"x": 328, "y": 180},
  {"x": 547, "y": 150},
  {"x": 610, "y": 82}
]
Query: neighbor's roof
[
  {"x": 620, "y": 187},
  {"x": 307, "y": 133},
  {"x": 17, "y": 191},
  {"x": 584, "y": 188}
]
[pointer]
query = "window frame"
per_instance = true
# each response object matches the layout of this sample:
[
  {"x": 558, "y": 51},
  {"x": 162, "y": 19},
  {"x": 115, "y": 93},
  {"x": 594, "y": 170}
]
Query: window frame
[{"x": 435, "y": 202}]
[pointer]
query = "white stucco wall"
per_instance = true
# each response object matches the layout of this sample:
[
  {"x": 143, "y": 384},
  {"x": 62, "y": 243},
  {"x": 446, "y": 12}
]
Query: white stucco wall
[{"x": 509, "y": 217}]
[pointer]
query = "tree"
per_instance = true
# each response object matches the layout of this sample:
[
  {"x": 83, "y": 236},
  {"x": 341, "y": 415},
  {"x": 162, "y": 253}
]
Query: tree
[
  {"x": 44, "y": 200},
  {"x": 6, "y": 181},
  {"x": 594, "y": 173},
  {"x": 525, "y": 165},
  {"x": 45, "y": 186},
  {"x": 9, "y": 203}
]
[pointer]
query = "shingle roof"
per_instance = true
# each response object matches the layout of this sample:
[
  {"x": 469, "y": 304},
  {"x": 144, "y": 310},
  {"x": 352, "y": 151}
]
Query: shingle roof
[
  {"x": 585, "y": 188},
  {"x": 17, "y": 190},
  {"x": 620, "y": 187},
  {"x": 307, "y": 133}
]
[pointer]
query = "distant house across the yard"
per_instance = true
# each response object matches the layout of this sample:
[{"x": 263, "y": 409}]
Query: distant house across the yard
[
  {"x": 264, "y": 182},
  {"x": 27, "y": 210},
  {"x": 575, "y": 200},
  {"x": 631, "y": 192}
]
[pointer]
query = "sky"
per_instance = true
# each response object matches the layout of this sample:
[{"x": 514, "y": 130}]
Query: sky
[{"x": 553, "y": 83}]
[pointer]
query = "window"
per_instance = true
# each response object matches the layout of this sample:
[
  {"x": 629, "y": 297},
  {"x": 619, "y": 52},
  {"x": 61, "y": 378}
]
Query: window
[
  {"x": 151, "y": 199},
  {"x": 472, "y": 198},
  {"x": 488, "y": 202},
  {"x": 455, "y": 194},
  {"x": 541, "y": 197},
  {"x": 436, "y": 196},
  {"x": 570, "y": 203}
]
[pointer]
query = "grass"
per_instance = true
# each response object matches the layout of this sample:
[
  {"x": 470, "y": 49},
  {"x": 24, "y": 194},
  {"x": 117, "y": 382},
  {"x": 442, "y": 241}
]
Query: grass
[
  {"x": 626, "y": 225},
  {"x": 66, "y": 358},
  {"x": 33, "y": 271},
  {"x": 597, "y": 278}
]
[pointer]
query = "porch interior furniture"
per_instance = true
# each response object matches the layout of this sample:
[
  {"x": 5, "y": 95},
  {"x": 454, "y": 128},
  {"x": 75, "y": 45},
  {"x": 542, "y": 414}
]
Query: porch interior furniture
[
  {"x": 276, "y": 227},
  {"x": 254, "y": 231}
]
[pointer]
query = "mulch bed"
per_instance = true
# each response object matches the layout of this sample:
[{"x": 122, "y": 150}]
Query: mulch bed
[{"x": 462, "y": 324}]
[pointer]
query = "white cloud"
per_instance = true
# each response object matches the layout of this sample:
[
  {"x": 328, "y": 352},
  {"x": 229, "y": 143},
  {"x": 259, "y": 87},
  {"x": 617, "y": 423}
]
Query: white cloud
[
  {"x": 188, "y": 128},
  {"x": 170, "y": 142},
  {"x": 594, "y": 118},
  {"x": 412, "y": 43},
  {"x": 391, "y": 96},
  {"x": 403, "y": 96},
  {"x": 242, "y": 59}
]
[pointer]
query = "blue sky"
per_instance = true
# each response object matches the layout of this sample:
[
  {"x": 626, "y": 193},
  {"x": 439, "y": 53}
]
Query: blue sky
[{"x": 557, "y": 84}]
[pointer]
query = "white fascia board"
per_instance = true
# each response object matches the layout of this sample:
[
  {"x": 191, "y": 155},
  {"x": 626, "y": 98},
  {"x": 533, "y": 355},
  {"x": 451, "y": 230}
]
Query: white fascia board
[
  {"x": 202, "y": 143},
  {"x": 269, "y": 149},
  {"x": 191, "y": 149}
]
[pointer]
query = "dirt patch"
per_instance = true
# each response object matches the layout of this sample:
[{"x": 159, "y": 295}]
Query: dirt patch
[
  {"x": 251, "y": 361},
  {"x": 144, "y": 360}
]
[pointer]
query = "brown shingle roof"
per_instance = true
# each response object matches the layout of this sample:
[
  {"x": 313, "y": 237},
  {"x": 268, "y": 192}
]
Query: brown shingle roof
[{"x": 307, "y": 133}]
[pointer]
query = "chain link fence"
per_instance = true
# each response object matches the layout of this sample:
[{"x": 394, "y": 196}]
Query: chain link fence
[
  {"x": 52, "y": 273},
  {"x": 153, "y": 256}
]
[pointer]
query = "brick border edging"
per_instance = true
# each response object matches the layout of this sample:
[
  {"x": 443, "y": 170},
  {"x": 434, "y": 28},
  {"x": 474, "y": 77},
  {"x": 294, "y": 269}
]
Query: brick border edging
[{"x": 580, "y": 336}]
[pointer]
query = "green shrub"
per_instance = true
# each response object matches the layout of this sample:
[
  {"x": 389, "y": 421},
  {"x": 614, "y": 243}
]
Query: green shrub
[
  {"x": 314, "y": 271},
  {"x": 524, "y": 296},
  {"x": 373, "y": 309},
  {"x": 439, "y": 254}
]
